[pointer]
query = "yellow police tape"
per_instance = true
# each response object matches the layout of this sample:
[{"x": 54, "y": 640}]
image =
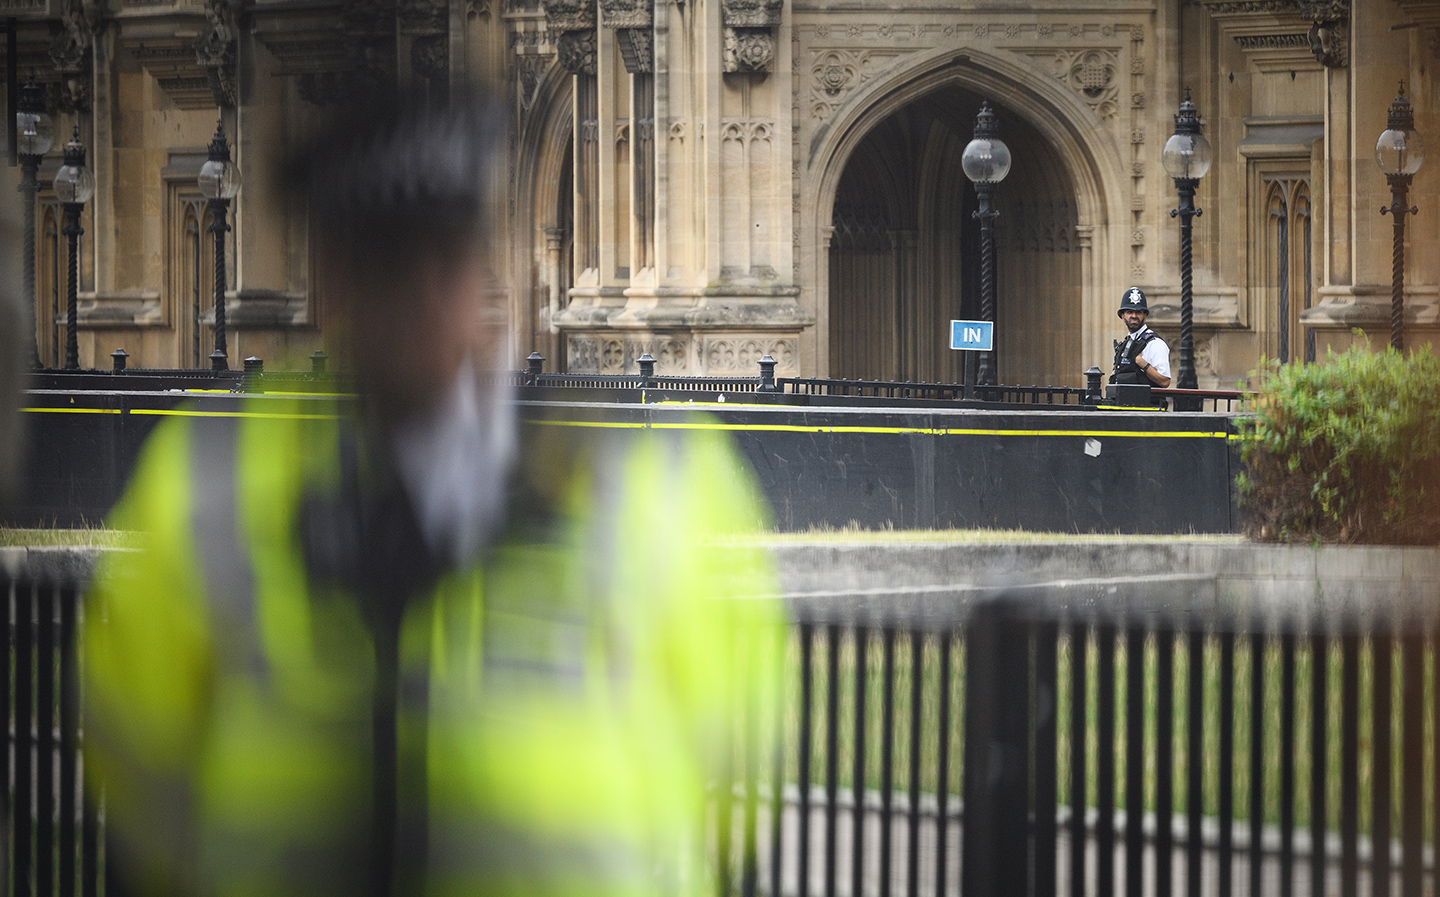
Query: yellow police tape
[{"x": 689, "y": 425}]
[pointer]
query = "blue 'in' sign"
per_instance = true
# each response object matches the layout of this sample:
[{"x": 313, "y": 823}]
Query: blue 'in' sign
[{"x": 972, "y": 336}]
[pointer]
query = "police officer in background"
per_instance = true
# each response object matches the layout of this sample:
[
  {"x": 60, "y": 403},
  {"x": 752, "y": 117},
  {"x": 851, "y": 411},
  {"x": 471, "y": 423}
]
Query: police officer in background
[{"x": 1142, "y": 357}]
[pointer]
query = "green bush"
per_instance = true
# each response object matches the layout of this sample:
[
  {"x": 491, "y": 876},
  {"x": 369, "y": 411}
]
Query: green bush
[{"x": 1347, "y": 450}]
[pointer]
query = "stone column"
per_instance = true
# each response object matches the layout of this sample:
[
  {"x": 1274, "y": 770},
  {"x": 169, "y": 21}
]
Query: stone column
[
  {"x": 633, "y": 24},
  {"x": 573, "y": 21},
  {"x": 554, "y": 240}
]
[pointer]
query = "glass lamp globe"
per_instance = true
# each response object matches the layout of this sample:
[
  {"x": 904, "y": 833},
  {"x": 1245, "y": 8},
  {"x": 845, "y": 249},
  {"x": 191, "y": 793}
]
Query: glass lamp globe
[
  {"x": 35, "y": 133},
  {"x": 986, "y": 160},
  {"x": 219, "y": 179},
  {"x": 74, "y": 183},
  {"x": 34, "y": 130},
  {"x": 1186, "y": 156},
  {"x": 1399, "y": 151}
]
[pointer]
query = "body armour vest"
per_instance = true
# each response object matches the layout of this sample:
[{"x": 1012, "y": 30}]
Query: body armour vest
[{"x": 1126, "y": 351}]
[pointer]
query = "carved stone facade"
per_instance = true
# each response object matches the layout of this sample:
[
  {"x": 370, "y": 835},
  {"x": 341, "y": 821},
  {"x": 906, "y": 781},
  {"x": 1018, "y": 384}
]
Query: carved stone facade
[{"x": 710, "y": 185}]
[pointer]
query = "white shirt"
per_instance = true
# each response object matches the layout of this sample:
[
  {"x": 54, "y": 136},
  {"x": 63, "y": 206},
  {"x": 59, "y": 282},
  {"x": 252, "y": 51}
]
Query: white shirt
[
  {"x": 1155, "y": 352},
  {"x": 454, "y": 460}
]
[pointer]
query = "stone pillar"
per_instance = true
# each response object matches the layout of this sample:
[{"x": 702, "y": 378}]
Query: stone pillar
[
  {"x": 573, "y": 23},
  {"x": 554, "y": 241},
  {"x": 695, "y": 199},
  {"x": 632, "y": 22}
]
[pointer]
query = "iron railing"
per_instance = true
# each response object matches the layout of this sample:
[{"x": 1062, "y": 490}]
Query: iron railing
[
  {"x": 55, "y": 832},
  {"x": 1136, "y": 737},
  {"x": 254, "y": 378},
  {"x": 1089, "y": 743}
]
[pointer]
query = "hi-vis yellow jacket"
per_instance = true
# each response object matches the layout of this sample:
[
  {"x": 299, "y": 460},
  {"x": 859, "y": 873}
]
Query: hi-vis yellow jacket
[{"x": 553, "y": 717}]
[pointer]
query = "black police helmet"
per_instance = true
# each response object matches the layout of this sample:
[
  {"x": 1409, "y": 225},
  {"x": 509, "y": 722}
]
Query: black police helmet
[{"x": 1133, "y": 300}]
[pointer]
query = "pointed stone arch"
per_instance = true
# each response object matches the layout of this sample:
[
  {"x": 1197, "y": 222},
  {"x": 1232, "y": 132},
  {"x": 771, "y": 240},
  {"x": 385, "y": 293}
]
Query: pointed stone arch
[
  {"x": 539, "y": 264},
  {"x": 1089, "y": 153}
]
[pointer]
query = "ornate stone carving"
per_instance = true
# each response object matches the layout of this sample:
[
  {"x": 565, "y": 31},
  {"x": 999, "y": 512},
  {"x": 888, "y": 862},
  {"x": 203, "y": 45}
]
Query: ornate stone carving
[
  {"x": 1323, "y": 10},
  {"x": 215, "y": 50},
  {"x": 1330, "y": 43},
  {"x": 720, "y": 355},
  {"x": 673, "y": 357},
  {"x": 1244, "y": 7},
  {"x": 1092, "y": 75},
  {"x": 834, "y": 71},
  {"x": 748, "y": 44},
  {"x": 423, "y": 16},
  {"x": 70, "y": 51},
  {"x": 576, "y": 52},
  {"x": 1272, "y": 41},
  {"x": 637, "y": 49},
  {"x": 569, "y": 15},
  {"x": 625, "y": 13},
  {"x": 746, "y": 130},
  {"x": 583, "y": 353},
  {"x": 749, "y": 50},
  {"x": 742, "y": 354},
  {"x": 1205, "y": 352},
  {"x": 612, "y": 356},
  {"x": 531, "y": 73},
  {"x": 750, "y": 13},
  {"x": 835, "y": 74}
]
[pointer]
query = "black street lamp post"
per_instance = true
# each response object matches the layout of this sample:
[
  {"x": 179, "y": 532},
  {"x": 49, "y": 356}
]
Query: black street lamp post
[
  {"x": 35, "y": 137},
  {"x": 986, "y": 161},
  {"x": 1186, "y": 158},
  {"x": 219, "y": 182},
  {"x": 74, "y": 185},
  {"x": 1399, "y": 152}
]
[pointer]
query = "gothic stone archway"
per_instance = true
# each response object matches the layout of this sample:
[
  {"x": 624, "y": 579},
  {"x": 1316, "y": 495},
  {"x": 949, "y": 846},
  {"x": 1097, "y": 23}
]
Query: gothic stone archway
[
  {"x": 1070, "y": 202},
  {"x": 904, "y": 253}
]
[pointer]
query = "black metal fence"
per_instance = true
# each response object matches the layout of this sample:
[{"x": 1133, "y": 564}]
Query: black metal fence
[
  {"x": 1082, "y": 740},
  {"x": 55, "y": 834},
  {"x": 1069, "y": 747},
  {"x": 764, "y": 386}
]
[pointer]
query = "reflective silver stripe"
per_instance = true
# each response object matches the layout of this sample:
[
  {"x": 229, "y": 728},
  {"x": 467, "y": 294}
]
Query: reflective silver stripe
[{"x": 220, "y": 542}]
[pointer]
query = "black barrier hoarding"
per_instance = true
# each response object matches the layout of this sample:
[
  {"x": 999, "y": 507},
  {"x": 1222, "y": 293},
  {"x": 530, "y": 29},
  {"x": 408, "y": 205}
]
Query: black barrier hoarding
[
  {"x": 1047, "y": 471},
  {"x": 871, "y": 467}
]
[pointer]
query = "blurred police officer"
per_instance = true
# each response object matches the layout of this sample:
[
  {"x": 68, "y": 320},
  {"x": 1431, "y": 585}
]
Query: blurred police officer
[
  {"x": 1142, "y": 357},
  {"x": 400, "y": 645}
]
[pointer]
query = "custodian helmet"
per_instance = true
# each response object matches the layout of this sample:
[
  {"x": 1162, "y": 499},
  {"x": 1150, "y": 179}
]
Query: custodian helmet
[{"x": 1133, "y": 300}]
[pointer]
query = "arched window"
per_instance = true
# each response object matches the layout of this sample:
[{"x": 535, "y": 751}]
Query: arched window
[
  {"x": 194, "y": 282},
  {"x": 1287, "y": 265}
]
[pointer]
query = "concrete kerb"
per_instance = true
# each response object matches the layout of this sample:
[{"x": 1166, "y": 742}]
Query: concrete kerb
[
  {"x": 1270, "y": 587},
  {"x": 936, "y": 583}
]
